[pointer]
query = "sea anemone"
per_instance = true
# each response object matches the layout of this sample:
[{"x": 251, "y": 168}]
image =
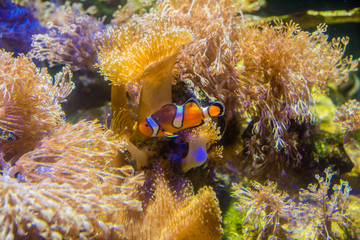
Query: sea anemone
[
  {"x": 134, "y": 52},
  {"x": 70, "y": 186},
  {"x": 29, "y": 104},
  {"x": 180, "y": 214}
]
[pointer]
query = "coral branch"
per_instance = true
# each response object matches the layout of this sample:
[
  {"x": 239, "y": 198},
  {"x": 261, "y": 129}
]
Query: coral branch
[{"x": 348, "y": 115}]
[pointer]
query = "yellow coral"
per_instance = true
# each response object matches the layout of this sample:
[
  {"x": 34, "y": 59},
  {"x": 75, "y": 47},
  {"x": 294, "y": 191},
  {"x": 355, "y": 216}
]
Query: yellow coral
[
  {"x": 189, "y": 216},
  {"x": 146, "y": 52},
  {"x": 126, "y": 54},
  {"x": 208, "y": 129}
]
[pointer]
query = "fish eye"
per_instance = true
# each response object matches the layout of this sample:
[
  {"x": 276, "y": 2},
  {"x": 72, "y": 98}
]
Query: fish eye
[{"x": 146, "y": 125}]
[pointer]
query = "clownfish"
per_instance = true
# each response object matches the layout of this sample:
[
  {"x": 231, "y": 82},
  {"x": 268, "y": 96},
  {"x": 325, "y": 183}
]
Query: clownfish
[{"x": 171, "y": 118}]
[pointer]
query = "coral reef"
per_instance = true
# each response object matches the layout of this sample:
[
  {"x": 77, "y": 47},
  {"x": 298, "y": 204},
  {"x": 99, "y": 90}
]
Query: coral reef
[
  {"x": 318, "y": 214},
  {"x": 280, "y": 87},
  {"x": 261, "y": 73}
]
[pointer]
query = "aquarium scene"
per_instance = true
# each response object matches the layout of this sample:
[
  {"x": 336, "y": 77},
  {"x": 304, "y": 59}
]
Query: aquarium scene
[{"x": 180, "y": 120}]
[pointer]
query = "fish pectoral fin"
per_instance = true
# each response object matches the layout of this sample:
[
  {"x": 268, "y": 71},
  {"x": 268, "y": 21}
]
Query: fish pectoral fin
[
  {"x": 197, "y": 125},
  {"x": 169, "y": 134},
  {"x": 201, "y": 123}
]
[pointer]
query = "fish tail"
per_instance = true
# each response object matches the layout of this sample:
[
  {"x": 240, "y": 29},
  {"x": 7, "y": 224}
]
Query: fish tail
[{"x": 216, "y": 109}]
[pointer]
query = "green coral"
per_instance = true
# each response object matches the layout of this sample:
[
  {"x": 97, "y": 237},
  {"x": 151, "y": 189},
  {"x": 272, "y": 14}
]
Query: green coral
[
  {"x": 325, "y": 112},
  {"x": 319, "y": 212},
  {"x": 266, "y": 209},
  {"x": 233, "y": 223},
  {"x": 328, "y": 149},
  {"x": 324, "y": 216}
]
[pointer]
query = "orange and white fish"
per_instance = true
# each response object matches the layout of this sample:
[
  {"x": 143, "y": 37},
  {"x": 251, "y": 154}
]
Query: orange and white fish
[{"x": 171, "y": 118}]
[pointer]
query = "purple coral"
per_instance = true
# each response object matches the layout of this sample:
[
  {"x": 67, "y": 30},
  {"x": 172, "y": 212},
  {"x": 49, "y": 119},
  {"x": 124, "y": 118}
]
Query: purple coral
[{"x": 74, "y": 43}]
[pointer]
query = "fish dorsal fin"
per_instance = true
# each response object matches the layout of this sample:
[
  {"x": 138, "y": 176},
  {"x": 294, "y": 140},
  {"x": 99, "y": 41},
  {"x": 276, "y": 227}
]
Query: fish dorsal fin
[
  {"x": 192, "y": 103},
  {"x": 166, "y": 105}
]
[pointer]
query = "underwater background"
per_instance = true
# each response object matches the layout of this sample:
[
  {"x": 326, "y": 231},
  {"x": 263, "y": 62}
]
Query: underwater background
[{"x": 198, "y": 119}]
